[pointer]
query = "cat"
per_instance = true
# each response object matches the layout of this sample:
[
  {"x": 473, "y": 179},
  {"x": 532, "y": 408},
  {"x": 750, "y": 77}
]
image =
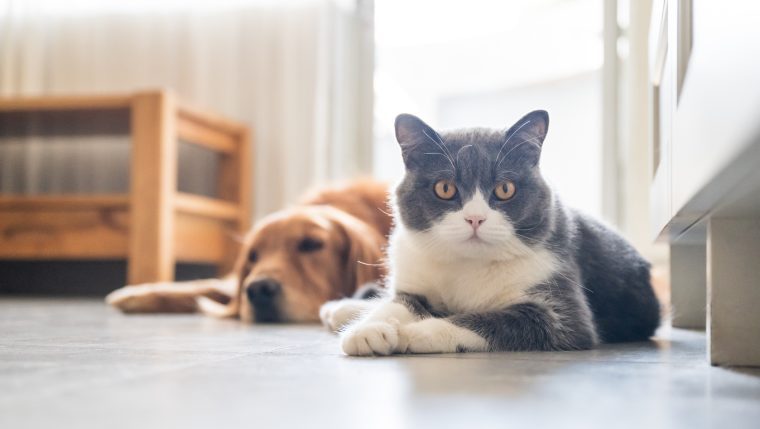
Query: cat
[{"x": 485, "y": 257}]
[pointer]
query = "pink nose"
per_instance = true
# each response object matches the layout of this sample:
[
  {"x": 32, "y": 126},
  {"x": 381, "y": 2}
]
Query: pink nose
[{"x": 475, "y": 221}]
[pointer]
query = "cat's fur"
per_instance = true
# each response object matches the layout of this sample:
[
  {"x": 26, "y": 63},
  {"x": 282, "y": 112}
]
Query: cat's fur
[{"x": 539, "y": 276}]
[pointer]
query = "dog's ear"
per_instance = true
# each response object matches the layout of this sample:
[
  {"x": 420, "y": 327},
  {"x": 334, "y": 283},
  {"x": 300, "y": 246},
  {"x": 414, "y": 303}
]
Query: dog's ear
[{"x": 363, "y": 253}]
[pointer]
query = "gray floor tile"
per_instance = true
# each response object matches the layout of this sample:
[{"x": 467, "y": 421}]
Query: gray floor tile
[{"x": 77, "y": 363}]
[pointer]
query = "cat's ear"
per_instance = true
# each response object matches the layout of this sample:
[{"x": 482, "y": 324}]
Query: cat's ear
[
  {"x": 530, "y": 128},
  {"x": 413, "y": 133},
  {"x": 410, "y": 129},
  {"x": 526, "y": 137}
]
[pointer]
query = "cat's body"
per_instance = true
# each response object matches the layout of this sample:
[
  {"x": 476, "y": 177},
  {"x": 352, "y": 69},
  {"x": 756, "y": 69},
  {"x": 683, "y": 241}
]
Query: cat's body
[{"x": 485, "y": 257}]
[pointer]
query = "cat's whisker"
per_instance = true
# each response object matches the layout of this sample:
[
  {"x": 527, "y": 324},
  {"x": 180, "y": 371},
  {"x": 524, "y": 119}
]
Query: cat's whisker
[
  {"x": 527, "y": 238},
  {"x": 441, "y": 154},
  {"x": 509, "y": 137},
  {"x": 369, "y": 265},
  {"x": 504, "y": 175},
  {"x": 442, "y": 147},
  {"x": 460, "y": 151},
  {"x": 543, "y": 219},
  {"x": 516, "y": 146},
  {"x": 559, "y": 273}
]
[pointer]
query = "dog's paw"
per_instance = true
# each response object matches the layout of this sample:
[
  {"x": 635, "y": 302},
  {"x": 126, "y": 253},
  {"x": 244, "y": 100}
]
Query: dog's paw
[
  {"x": 337, "y": 314},
  {"x": 129, "y": 298},
  {"x": 370, "y": 338},
  {"x": 143, "y": 298}
]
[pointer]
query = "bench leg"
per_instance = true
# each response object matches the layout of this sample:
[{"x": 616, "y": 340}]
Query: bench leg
[{"x": 153, "y": 184}]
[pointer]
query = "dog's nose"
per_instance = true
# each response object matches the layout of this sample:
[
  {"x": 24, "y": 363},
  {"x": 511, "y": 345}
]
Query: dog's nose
[
  {"x": 263, "y": 291},
  {"x": 475, "y": 221}
]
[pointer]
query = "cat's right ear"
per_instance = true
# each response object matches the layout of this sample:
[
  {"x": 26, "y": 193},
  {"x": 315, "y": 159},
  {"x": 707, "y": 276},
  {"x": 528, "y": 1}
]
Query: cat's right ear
[
  {"x": 412, "y": 132},
  {"x": 531, "y": 127}
]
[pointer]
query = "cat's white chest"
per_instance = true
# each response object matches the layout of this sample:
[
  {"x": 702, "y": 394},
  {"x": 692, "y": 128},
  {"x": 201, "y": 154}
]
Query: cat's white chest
[{"x": 466, "y": 285}]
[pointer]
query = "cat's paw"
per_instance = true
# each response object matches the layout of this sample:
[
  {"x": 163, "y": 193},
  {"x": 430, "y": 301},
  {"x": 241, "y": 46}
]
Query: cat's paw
[
  {"x": 420, "y": 338},
  {"x": 337, "y": 314},
  {"x": 370, "y": 338},
  {"x": 437, "y": 336}
]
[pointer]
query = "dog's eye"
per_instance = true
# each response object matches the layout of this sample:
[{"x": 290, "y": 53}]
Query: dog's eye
[
  {"x": 253, "y": 256},
  {"x": 310, "y": 245}
]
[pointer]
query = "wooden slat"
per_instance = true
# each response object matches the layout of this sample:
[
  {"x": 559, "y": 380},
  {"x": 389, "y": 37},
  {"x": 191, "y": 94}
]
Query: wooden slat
[
  {"x": 234, "y": 180},
  {"x": 62, "y": 202},
  {"x": 209, "y": 120},
  {"x": 204, "y": 206},
  {"x": 247, "y": 163},
  {"x": 200, "y": 239},
  {"x": 245, "y": 180},
  {"x": 49, "y": 232},
  {"x": 64, "y": 103},
  {"x": 234, "y": 184},
  {"x": 153, "y": 184},
  {"x": 197, "y": 133}
]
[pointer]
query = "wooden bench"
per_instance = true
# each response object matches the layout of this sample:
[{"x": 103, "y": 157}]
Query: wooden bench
[{"x": 153, "y": 225}]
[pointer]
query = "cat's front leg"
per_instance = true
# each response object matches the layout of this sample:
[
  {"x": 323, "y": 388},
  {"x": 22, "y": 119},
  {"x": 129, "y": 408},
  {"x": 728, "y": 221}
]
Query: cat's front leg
[
  {"x": 531, "y": 326},
  {"x": 335, "y": 315},
  {"x": 437, "y": 335},
  {"x": 377, "y": 333}
]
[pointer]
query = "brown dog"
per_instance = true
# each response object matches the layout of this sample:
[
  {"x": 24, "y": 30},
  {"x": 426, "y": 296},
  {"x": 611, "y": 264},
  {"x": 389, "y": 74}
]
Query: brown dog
[{"x": 291, "y": 262}]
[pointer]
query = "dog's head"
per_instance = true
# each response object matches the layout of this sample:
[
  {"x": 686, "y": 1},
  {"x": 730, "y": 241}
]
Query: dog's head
[{"x": 295, "y": 260}]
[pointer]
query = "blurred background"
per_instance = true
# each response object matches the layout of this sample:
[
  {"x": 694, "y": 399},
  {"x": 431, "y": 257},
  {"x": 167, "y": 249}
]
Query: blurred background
[{"x": 319, "y": 82}]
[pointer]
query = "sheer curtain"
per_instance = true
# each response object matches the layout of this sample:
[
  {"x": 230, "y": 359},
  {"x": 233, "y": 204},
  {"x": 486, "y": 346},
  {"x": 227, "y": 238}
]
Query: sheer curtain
[{"x": 298, "y": 72}]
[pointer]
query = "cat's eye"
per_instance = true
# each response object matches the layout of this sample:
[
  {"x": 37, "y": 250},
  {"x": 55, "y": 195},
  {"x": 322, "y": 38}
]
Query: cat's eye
[
  {"x": 505, "y": 190},
  {"x": 310, "y": 245},
  {"x": 445, "y": 189}
]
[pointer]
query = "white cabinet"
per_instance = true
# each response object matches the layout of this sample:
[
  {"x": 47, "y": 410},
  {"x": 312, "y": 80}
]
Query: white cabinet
[{"x": 705, "y": 58}]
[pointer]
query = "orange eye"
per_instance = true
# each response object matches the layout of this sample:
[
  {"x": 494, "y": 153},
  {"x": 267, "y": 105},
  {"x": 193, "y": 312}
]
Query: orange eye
[
  {"x": 445, "y": 189},
  {"x": 505, "y": 190}
]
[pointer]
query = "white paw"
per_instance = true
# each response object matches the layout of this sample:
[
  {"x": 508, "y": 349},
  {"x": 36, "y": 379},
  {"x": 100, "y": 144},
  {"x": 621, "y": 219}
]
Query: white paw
[
  {"x": 437, "y": 336},
  {"x": 370, "y": 338},
  {"x": 335, "y": 315},
  {"x": 416, "y": 338}
]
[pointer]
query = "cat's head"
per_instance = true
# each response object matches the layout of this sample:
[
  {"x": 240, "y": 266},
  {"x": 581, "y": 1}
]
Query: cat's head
[{"x": 474, "y": 192}]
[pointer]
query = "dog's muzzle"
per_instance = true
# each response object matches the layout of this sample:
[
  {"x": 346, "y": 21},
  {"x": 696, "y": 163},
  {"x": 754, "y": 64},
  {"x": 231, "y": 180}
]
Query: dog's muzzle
[{"x": 265, "y": 295}]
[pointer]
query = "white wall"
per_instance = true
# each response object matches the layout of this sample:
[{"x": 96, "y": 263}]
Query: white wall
[{"x": 571, "y": 160}]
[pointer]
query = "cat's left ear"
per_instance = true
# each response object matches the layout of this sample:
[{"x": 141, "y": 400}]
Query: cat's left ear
[{"x": 530, "y": 128}]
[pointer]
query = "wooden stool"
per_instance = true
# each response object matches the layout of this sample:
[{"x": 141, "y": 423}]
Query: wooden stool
[{"x": 154, "y": 225}]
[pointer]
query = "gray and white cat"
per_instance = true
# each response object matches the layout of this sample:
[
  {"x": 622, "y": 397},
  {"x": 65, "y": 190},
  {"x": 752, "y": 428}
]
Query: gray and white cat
[{"x": 485, "y": 257}]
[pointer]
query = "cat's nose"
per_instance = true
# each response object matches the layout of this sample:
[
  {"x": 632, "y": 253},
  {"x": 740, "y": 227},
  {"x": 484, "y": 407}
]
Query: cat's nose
[{"x": 475, "y": 221}]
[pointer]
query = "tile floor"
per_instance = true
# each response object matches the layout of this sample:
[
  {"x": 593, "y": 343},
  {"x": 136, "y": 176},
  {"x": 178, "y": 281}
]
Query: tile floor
[{"x": 79, "y": 364}]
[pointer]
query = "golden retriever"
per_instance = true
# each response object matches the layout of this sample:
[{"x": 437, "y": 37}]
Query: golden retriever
[{"x": 291, "y": 262}]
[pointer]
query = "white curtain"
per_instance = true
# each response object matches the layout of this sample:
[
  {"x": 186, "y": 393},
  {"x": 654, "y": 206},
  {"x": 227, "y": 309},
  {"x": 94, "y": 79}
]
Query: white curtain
[{"x": 298, "y": 72}]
